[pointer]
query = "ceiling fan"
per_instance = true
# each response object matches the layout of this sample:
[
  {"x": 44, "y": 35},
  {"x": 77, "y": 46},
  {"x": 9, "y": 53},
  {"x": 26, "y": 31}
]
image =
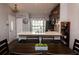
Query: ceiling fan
[{"x": 14, "y": 9}]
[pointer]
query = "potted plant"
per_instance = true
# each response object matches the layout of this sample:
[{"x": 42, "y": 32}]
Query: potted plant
[{"x": 41, "y": 46}]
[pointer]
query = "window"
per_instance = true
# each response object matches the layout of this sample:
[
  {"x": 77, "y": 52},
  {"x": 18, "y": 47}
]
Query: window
[{"x": 38, "y": 26}]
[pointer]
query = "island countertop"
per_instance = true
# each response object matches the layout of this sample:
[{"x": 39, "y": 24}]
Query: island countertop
[{"x": 45, "y": 33}]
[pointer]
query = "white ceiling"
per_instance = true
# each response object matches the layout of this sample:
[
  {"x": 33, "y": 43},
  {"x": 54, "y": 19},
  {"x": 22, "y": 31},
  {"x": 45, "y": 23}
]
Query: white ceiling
[{"x": 35, "y": 8}]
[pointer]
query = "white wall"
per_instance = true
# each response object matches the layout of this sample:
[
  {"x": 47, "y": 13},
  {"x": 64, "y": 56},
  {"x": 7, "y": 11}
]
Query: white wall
[
  {"x": 64, "y": 12},
  {"x": 3, "y": 21},
  {"x": 20, "y": 26},
  {"x": 46, "y": 16},
  {"x": 27, "y": 27},
  {"x": 71, "y": 13}
]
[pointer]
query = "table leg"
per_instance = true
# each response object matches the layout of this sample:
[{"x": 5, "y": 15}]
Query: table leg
[
  {"x": 40, "y": 39},
  {"x": 61, "y": 39}
]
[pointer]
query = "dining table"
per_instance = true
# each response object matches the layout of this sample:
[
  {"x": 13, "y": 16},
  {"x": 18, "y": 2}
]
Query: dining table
[{"x": 29, "y": 49}]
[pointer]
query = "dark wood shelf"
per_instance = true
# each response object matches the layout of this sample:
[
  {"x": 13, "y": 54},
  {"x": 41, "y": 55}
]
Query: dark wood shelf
[{"x": 65, "y": 30}]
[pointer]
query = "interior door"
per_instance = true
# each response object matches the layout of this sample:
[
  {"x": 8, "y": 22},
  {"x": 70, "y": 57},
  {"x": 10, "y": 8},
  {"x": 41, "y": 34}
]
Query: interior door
[
  {"x": 19, "y": 25},
  {"x": 12, "y": 27}
]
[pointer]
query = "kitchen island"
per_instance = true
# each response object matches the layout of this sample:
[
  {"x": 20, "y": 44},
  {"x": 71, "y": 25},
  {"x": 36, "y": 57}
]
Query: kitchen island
[{"x": 23, "y": 35}]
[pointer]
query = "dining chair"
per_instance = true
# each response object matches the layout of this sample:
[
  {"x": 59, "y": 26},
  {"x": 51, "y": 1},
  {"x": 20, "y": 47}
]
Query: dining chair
[
  {"x": 76, "y": 47},
  {"x": 4, "y": 47}
]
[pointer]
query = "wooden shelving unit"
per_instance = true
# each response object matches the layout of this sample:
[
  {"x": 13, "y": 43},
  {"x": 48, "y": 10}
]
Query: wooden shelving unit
[{"x": 65, "y": 30}]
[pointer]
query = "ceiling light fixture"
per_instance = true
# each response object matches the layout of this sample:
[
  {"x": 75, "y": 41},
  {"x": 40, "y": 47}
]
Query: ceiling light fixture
[{"x": 14, "y": 9}]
